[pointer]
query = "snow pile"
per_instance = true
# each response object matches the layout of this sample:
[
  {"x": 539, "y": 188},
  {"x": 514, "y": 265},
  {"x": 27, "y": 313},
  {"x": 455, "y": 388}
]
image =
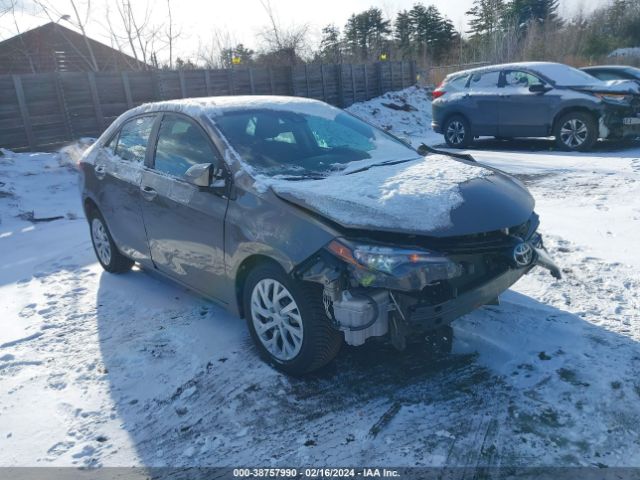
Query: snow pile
[
  {"x": 406, "y": 113},
  {"x": 418, "y": 195}
]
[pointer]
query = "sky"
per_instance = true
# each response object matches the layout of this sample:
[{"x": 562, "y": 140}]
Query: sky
[{"x": 241, "y": 20}]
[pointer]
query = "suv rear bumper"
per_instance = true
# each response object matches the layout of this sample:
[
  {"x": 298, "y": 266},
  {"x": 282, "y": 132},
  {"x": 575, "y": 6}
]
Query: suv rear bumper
[{"x": 436, "y": 127}]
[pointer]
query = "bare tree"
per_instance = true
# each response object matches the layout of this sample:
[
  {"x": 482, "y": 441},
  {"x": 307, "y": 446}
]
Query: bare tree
[
  {"x": 80, "y": 22},
  {"x": 171, "y": 34},
  {"x": 21, "y": 48},
  {"x": 211, "y": 53},
  {"x": 289, "y": 42}
]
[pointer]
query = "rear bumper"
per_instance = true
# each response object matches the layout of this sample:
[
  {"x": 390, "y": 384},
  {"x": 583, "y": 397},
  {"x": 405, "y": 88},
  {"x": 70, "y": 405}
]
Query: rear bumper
[{"x": 435, "y": 126}]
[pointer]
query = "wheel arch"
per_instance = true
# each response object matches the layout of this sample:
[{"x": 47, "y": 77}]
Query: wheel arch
[
  {"x": 89, "y": 205},
  {"x": 245, "y": 267}
]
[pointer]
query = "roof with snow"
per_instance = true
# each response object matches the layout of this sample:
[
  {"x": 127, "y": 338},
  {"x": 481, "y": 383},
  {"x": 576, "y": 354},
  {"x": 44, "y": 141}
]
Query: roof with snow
[{"x": 55, "y": 48}]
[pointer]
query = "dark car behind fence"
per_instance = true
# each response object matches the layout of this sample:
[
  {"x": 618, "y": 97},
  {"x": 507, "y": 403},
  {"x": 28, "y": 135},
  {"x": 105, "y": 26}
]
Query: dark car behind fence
[{"x": 42, "y": 111}]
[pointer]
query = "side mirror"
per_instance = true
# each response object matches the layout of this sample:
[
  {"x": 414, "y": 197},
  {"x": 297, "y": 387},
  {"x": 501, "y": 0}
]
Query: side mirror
[
  {"x": 539, "y": 88},
  {"x": 199, "y": 175}
]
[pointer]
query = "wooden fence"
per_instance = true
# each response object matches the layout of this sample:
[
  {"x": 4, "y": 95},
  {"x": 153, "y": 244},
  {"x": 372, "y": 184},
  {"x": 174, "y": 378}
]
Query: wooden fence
[{"x": 43, "y": 111}]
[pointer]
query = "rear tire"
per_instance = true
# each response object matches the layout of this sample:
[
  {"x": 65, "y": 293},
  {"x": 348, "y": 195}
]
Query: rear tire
[
  {"x": 311, "y": 342},
  {"x": 105, "y": 248},
  {"x": 457, "y": 132},
  {"x": 576, "y": 131}
]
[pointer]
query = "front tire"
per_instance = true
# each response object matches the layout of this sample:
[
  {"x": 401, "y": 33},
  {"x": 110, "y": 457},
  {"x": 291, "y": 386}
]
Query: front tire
[
  {"x": 287, "y": 321},
  {"x": 105, "y": 248},
  {"x": 576, "y": 131},
  {"x": 457, "y": 132}
]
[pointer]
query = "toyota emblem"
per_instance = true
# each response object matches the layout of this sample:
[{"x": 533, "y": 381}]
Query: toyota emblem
[{"x": 522, "y": 254}]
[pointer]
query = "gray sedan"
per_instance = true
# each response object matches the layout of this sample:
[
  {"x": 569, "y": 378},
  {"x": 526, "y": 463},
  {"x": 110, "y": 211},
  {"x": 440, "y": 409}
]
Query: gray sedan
[{"x": 315, "y": 226}]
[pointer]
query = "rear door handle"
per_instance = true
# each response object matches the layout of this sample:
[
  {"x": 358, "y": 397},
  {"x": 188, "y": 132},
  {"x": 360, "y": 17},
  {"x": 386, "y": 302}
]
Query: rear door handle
[
  {"x": 101, "y": 171},
  {"x": 148, "y": 193}
]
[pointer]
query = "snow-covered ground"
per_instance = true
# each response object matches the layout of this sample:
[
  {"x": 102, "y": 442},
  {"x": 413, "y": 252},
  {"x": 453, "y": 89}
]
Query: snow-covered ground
[{"x": 100, "y": 369}]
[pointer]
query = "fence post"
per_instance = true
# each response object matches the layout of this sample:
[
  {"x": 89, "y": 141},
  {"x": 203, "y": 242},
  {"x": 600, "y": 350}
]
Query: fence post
[
  {"x": 324, "y": 88},
  {"x": 251, "y": 84},
  {"x": 292, "y": 80},
  {"x": 392, "y": 87},
  {"x": 379, "y": 77},
  {"x": 207, "y": 81},
  {"x": 127, "y": 89},
  {"x": 24, "y": 112},
  {"x": 271, "y": 85},
  {"x": 353, "y": 84},
  {"x": 402, "y": 74},
  {"x": 183, "y": 85},
  {"x": 340, "y": 85},
  {"x": 63, "y": 105},
  {"x": 96, "y": 100},
  {"x": 366, "y": 82},
  {"x": 412, "y": 71},
  {"x": 306, "y": 79},
  {"x": 230, "y": 80}
]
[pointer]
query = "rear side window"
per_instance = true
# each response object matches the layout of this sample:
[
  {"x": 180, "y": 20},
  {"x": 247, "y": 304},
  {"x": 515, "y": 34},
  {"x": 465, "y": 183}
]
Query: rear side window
[
  {"x": 181, "y": 144},
  {"x": 457, "y": 84},
  {"x": 480, "y": 81},
  {"x": 133, "y": 139}
]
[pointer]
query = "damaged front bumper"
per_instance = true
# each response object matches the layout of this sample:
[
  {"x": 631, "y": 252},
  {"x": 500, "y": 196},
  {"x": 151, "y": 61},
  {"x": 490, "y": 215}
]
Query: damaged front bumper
[
  {"x": 620, "y": 121},
  {"x": 364, "y": 303}
]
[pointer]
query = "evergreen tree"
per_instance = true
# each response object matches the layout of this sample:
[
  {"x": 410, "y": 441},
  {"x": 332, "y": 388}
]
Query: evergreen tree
[
  {"x": 331, "y": 45},
  {"x": 403, "y": 33},
  {"x": 366, "y": 33}
]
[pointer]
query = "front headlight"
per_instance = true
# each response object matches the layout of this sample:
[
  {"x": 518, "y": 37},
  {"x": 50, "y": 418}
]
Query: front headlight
[
  {"x": 396, "y": 261},
  {"x": 618, "y": 98}
]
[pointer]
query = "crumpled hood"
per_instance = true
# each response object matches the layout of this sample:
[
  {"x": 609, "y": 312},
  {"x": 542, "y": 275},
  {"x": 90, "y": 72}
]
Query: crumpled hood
[
  {"x": 612, "y": 86},
  {"x": 435, "y": 196}
]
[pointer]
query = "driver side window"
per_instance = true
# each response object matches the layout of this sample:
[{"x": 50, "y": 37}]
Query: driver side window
[{"x": 181, "y": 144}]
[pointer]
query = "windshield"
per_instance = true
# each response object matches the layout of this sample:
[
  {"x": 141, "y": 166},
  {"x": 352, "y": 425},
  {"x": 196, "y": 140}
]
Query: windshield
[
  {"x": 565, "y": 76},
  {"x": 314, "y": 144}
]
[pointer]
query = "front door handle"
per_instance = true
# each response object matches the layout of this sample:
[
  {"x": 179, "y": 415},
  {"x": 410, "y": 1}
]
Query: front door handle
[
  {"x": 100, "y": 170},
  {"x": 148, "y": 193}
]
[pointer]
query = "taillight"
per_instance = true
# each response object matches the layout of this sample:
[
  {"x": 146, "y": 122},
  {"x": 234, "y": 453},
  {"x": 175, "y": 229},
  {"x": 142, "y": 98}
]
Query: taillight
[{"x": 438, "y": 92}]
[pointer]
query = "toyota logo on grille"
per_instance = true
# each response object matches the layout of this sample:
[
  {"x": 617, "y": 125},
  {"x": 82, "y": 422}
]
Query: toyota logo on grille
[{"x": 522, "y": 254}]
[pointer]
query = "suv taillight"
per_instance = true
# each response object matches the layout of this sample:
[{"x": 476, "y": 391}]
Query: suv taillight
[{"x": 437, "y": 93}]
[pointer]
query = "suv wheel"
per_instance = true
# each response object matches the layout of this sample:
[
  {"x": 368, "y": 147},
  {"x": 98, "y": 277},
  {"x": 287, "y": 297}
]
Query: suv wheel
[
  {"x": 576, "y": 131},
  {"x": 106, "y": 251},
  {"x": 287, "y": 321},
  {"x": 457, "y": 132}
]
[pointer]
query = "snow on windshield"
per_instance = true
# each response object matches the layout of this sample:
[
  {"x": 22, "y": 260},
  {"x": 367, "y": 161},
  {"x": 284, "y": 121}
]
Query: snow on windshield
[
  {"x": 302, "y": 142},
  {"x": 418, "y": 195},
  {"x": 564, "y": 75}
]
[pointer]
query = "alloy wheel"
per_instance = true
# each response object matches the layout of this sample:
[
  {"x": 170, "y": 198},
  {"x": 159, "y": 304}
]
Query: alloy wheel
[
  {"x": 276, "y": 319},
  {"x": 455, "y": 132},
  {"x": 101, "y": 241},
  {"x": 574, "y": 133}
]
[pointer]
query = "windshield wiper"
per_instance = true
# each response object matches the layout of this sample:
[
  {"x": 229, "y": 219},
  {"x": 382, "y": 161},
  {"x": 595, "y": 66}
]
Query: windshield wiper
[
  {"x": 388, "y": 162},
  {"x": 303, "y": 177}
]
